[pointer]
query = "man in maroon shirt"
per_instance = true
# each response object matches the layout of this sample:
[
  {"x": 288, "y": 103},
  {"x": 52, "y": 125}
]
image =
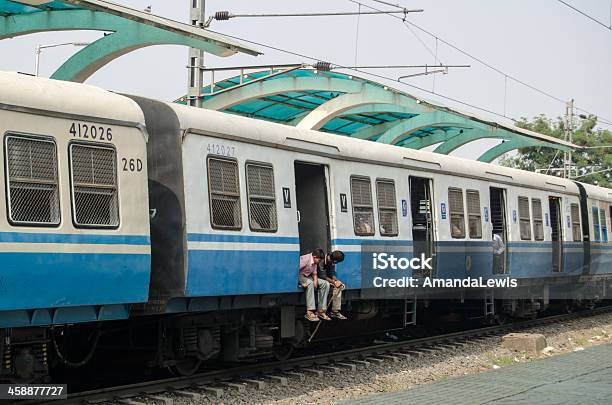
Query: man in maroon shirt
[{"x": 309, "y": 281}]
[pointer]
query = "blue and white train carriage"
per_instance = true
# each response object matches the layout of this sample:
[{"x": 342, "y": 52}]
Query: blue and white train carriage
[
  {"x": 74, "y": 228},
  {"x": 236, "y": 201},
  {"x": 200, "y": 219},
  {"x": 257, "y": 194}
]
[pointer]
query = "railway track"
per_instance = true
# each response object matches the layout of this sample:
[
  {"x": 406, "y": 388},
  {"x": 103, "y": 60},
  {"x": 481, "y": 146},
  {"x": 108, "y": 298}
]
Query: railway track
[{"x": 258, "y": 375}]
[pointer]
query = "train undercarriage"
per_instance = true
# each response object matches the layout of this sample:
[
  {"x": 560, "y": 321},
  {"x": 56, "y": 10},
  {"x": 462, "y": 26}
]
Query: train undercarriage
[{"x": 183, "y": 343}]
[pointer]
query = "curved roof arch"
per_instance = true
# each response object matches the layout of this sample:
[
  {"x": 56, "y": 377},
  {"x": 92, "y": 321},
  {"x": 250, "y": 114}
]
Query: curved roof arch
[
  {"x": 351, "y": 106},
  {"x": 129, "y": 30}
]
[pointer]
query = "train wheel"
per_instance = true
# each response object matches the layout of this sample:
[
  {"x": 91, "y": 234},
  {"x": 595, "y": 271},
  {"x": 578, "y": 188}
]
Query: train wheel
[
  {"x": 185, "y": 367},
  {"x": 283, "y": 352}
]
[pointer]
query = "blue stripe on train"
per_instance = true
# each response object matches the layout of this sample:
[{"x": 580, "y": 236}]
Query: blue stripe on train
[
  {"x": 47, "y": 280},
  {"x": 25, "y": 237},
  {"x": 228, "y": 272},
  {"x": 218, "y": 272}
]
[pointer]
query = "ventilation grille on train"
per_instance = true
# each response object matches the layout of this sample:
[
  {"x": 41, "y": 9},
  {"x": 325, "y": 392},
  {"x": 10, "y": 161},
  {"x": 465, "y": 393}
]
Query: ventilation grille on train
[
  {"x": 224, "y": 191},
  {"x": 262, "y": 198},
  {"x": 33, "y": 181},
  {"x": 363, "y": 215},
  {"x": 387, "y": 208},
  {"x": 94, "y": 182}
]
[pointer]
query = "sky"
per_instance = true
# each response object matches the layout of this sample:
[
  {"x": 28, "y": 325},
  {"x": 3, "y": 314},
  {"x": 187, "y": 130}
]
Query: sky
[{"x": 542, "y": 43}]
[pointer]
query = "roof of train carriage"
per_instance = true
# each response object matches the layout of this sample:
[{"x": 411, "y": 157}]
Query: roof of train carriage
[
  {"x": 322, "y": 143},
  {"x": 125, "y": 30},
  {"x": 598, "y": 193},
  {"x": 83, "y": 100},
  {"x": 348, "y": 105}
]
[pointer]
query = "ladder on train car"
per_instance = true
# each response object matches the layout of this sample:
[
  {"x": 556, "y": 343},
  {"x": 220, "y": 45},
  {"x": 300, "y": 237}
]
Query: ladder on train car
[
  {"x": 489, "y": 303},
  {"x": 410, "y": 311}
]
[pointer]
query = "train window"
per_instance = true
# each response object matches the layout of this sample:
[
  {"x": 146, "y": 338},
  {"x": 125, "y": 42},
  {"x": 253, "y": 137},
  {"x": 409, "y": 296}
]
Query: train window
[
  {"x": 457, "y": 213},
  {"x": 604, "y": 225},
  {"x": 224, "y": 193},
  {"x": 94, "y": 186},
  {"x": 262, "y": 197},
  {"x": 524, "y": 218},
  {"x": 576, "y": 231},
  {"x": 33, "y": 189},
  {"x": 474, "y": 216},
  {"x": 363, "y": 211},
  {"x": 538, "y": 225},
  {"x": 596, "y": 234},
  {"x": 387, "y": 208}
]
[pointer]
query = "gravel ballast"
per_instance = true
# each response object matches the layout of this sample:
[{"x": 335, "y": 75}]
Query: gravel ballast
[{"x": 389, "y": 376}]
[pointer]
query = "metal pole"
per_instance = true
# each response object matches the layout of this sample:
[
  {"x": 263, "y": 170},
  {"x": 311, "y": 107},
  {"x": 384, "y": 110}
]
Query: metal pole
[
  {"x": 569, "y": 124},
  {"x": 334, "y": 14},
  {"x": 196, "y": 56},
  {"x": 40, "y": 47},
  {"x": 37, "y": 59}
]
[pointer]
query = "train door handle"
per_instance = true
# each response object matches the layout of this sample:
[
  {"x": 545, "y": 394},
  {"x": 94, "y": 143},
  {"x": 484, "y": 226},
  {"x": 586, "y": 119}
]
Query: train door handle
[{"x": 299, "y": 216}]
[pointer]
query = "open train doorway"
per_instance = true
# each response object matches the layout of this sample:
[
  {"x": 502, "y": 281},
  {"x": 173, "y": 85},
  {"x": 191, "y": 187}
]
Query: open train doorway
[
  {"x": 499, "y": 227},
  {"x": 556, "y": 225},
  {"x": 312, "y": 206},
  {"x": 421, "y": 208}
]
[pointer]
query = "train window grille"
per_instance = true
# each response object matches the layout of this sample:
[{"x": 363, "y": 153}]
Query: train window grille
[
  {"x": 94, "y": 186},
  {"x": 224, "y": 193},
  {"x": 604, "y": 225},
  {"x": 262, "y": 198},
  {"x": 596, "y": 234},
  {"x": 387, "y": 208},
  {"x": 474, "y": 216},
  {"x": 524, "y": 218},
  {"x": 457, "y": 213},
  {"x": 538, "y": 225},
  {"x": 363, "y": 211},
  {"x": 33, "y": 185},
  {"x": 576, "y": 230}
]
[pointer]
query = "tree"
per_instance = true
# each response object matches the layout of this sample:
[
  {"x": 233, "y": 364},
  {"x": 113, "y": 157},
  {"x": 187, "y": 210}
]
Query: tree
[{"x": 584, "y": 161}]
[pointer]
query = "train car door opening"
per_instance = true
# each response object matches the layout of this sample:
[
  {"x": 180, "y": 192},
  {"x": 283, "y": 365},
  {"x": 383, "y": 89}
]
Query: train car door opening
[
  {"x": 499, "y": 224},
  {"x": 421, "y": 209},
  {"x": 586, "y": 237},
  {"x": 312, "y": 207},
  {"x": 556, "y": 224}
]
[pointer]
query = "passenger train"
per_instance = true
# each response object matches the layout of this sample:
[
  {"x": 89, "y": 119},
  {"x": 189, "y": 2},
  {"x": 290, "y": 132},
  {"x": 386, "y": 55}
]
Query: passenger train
[{"x": 181, "y": 228}]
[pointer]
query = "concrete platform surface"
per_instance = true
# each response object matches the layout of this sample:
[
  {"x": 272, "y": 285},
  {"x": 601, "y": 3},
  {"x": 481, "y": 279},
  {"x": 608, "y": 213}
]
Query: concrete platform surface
[{"x": 583, "y": 377}]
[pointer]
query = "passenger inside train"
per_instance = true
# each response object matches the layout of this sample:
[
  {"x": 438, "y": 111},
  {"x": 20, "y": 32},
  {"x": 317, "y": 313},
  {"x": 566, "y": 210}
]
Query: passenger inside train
[{"x": 498, "y": 254}]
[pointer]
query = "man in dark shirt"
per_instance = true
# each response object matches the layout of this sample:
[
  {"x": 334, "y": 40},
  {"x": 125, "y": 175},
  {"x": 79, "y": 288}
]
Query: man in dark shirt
[{"x": 326, "y": 274}]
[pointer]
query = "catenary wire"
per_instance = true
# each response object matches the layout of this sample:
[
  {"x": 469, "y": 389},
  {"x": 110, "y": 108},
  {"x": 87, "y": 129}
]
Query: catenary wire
[
  {"x": 600, "y": 119},
  {"x": 364, "y": 72},
  {"x": 609, "y": 27}
]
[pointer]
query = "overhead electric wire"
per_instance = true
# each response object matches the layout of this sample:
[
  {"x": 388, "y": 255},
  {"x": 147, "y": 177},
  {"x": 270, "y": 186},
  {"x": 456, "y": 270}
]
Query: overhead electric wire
[
  {"x": 364, "y": 72},
  {"x": 404, "y": 22},
  {"x": 600, "y": 119},
  {"x": 609, "y": 27}
]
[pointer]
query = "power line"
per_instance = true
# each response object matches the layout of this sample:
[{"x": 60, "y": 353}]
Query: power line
[
  {"x": 609, "y": 27},
  {"x": 403, "y": 21},
  {"x": 465, "y": 103},
  {"x": 602, "y": 120}
]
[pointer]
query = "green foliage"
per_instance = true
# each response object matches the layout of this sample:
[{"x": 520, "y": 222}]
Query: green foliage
[{"x": 584, "y": 161}]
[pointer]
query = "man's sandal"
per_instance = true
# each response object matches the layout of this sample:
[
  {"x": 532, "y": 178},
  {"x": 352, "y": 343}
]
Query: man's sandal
[
  {"x": 311, "y": 317},
  {"x": 324, "y": 316},
  {"x": 338, "y": 315}
]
